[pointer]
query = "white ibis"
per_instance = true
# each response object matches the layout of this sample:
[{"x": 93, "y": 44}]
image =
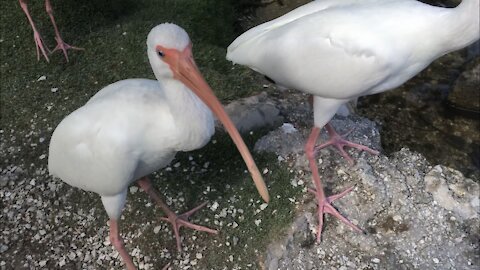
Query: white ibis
[
  {"x": 134, "y": 127},
  {"x": 338, "y": 50},
  {"x": 40, "y": 45}
]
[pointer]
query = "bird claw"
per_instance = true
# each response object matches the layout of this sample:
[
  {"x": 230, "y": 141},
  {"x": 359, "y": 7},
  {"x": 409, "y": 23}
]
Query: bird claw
[
  {"x": 325, "y": 207},
  {"x": 40, "y": 45},
  {"x": 61, "y": 45},
  {"x": 178, "y": 221},
  {"x": 339, "y": 142}
]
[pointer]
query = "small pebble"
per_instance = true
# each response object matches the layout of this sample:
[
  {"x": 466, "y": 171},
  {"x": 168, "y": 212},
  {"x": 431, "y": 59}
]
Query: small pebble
[
  {"x": 263, "y": 206},
  {"x": 133, "y": 189},
  {"x": 214, "y": 206}
]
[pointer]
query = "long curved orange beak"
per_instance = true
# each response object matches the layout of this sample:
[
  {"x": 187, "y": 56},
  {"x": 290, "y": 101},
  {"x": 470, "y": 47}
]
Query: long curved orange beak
[{"x": 184, "y": 69}]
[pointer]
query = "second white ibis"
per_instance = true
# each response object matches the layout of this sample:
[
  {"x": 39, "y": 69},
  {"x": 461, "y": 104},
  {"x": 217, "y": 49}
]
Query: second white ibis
[{"x": 338, "y": 50}]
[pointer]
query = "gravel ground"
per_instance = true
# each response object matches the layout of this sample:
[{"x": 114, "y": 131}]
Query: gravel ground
[
  {"x": 47, "y": 224},
  {"x": 417, "y": 215},
  {"x": 414, "y": 213}
]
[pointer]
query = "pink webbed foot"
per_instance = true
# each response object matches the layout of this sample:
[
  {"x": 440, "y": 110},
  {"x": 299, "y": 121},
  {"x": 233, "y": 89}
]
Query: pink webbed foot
[
  {"x": 325, "y": 207},
  {"x": 339, "y": 142},
  {"x": 177, "y": 221},
  {"x": 61, "y": 45},
  {"x": 39, "y": 44},
  {"x": 324, "y": 203}
]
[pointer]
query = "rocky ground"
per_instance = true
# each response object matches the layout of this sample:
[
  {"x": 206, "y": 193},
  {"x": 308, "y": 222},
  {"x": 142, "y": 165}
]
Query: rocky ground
[{"x": 416, "y": 215}]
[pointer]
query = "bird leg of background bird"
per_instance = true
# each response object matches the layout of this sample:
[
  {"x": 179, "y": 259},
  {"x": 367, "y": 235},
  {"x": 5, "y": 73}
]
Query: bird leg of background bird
[
  {"x": 339, "y": 142},
  {"x": 119, "y": 245},
  {"x": 61, "y": 45},
  {"x": 177, "y": 221},
  {"x": 39, "y": 44},
  {"x": 324, "y": 203}
]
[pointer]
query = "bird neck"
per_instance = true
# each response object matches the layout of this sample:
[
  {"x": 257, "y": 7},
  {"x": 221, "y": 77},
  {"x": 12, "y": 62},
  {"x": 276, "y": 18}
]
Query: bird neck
[
  {"x": 193, "y": 119},
  {"x": 177, "y": 93},
  {"x": 185, "y": 105},
  {"x": 462, "y": 26}
]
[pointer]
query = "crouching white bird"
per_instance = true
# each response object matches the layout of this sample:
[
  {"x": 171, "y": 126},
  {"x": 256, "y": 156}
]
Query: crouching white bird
[
  {"x": 133, "y": 127},
  {"x": 338, "y": 50}
]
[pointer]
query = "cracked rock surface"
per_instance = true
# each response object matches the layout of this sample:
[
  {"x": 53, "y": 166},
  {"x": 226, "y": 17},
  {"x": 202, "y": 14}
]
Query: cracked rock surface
[{"x": 415, "y": 215}]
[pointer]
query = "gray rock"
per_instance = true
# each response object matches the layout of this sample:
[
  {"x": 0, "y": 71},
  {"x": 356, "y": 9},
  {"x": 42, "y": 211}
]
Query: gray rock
[
  {"x": 414, "y": 216},
  {"x": 453, "y": 192},
  {"x": 465, "y": 95},
  {"x": 253, "y": 112},
  {"x": 473, "y": 50},
  {"x": 287, "y": 139},
  {"x": 282, "y": 141}
]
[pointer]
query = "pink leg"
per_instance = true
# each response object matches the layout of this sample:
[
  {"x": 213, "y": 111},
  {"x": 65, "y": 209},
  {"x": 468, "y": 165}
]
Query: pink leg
[
  {"x": 61, "y": 45},
  {"x": 117, "y": 242},
  {"x": 324, "y": 203},
  {"x": 339, "y": 142},
  {"x": 176, "y": 221},
  {"x": 39, "y": 44}
]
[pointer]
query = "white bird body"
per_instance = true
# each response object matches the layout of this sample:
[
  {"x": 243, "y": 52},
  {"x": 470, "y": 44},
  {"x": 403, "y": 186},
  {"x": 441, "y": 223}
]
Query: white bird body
[
  {"x": 129, "y": 129},
  {"x": 339, "y": 50},
  {"x": 134, "y": 127}
]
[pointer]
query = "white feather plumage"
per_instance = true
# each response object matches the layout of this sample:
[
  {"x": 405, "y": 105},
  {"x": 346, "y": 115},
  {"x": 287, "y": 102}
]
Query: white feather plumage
[{"x": 339, "y": 50}]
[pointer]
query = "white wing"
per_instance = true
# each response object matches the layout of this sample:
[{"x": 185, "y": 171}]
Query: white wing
[
  {"x": 124, "y": 132},
  {"x": 302, "y": 11},
  {"x": 336, "y": 53}
]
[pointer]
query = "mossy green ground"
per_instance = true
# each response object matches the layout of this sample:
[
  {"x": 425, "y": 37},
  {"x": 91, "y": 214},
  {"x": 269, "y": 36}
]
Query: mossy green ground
[{"x": 113, "y": 34}]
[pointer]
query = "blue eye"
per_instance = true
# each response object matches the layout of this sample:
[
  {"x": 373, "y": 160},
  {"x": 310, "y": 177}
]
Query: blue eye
[{"x": 160, "y": 53}]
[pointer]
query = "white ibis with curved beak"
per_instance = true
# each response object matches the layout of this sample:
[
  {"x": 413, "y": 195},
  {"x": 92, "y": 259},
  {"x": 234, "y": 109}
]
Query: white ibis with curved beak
[
  {"x": 39, "y": 44},
  {"x": 134, "y": 127},
  {"x": 339, "y": 50}
]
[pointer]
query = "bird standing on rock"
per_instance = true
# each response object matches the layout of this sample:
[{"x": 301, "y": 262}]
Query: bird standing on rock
[
  {"x": 134, "y": 127},
  {"x": 339, "y": 50}
]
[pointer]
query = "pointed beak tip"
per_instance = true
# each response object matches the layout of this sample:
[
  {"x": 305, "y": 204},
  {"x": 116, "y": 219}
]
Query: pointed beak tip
[{"x": 261, "y": 186}]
